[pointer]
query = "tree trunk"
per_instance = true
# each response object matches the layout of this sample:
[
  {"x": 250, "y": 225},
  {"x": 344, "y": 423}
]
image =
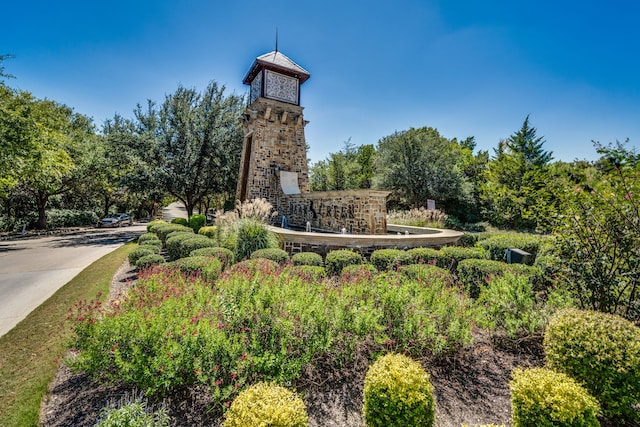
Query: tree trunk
[{"x": 41, "y": 200}]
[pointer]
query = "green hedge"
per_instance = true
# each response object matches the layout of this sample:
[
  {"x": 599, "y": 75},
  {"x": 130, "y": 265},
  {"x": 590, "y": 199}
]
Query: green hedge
[
  {"x": 497, "y": 246},
  {"x": 146, "y": 237},
  {"x": 181, "y": 221},
  {"x": 153, "y": 225},
  {"x": 473, "y": 273},
  {"x": 542, "y": 397},
  {"x": 426, "y": 273},
  {"x": 358, "y": 270},
  {"x": 274, "y": 254},
  {"x": 397, "y": 392},
  {"x": 223, "y": 254},
  {"x": 209, "y": 231},
  {"x": 307, "y": 258},
  {"x": 390, "y": 259},
  {"x": 148, "y": 260},
  {"x": 602, "y": 351},
  {"x": 338, "y": 259},
  {"x": 163, "y": 230},
  {"x": 174, "y": 243},
  {"x": 450, "y": 256},
  {"x": 312, "y": 273},
  {"x": 424, "y": 255},
  {"x": 141, "y": 251},
  {"x": 196, "y": 222},
  {"x": 208, "y": 268}
]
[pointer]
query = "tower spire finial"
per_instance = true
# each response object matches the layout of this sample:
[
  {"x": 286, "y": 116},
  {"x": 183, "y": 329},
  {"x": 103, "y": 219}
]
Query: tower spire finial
[{"x": 276, "y": 39}]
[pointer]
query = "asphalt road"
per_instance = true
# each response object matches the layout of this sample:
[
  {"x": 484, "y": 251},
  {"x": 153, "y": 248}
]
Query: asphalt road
[{"x": 33, "y": 269}]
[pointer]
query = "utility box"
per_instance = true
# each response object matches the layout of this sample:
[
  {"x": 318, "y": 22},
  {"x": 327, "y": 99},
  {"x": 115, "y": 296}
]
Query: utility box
[{"x": 517, "y": 256}]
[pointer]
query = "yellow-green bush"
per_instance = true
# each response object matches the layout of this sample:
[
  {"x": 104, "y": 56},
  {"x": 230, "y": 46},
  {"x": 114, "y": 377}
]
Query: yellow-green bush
[
  {"x": 397, "y": 392},
  {"x": 542, "y": 397},
  {"x": 208, "y": 230},
  {"x": 602, "y": 351},
  {"x": 266, "y": 405}
]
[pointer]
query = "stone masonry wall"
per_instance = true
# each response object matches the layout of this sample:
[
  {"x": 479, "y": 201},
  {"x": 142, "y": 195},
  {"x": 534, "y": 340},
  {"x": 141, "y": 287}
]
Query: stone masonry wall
[{"x": 357, "y": 211}]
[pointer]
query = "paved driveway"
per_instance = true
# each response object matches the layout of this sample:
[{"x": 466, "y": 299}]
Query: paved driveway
[{"x": 33, "y": 269}]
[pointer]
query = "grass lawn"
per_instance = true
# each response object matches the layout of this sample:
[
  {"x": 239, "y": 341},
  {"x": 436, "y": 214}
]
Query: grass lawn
[{"x": 30, "y": 352}]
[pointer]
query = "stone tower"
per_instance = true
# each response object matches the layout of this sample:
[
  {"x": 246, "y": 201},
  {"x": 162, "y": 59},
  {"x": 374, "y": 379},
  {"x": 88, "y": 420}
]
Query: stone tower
[{"x": 274, "y": 152}]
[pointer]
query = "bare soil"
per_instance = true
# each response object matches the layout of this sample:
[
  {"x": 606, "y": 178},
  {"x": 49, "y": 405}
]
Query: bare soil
[{"x": 471, "y": 387}]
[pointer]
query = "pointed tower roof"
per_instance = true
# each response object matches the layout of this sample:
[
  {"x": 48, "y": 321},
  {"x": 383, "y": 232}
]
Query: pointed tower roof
[{"x": 279, "y": 62}]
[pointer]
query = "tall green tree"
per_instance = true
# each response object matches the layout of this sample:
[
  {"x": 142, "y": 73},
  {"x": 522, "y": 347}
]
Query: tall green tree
[
  {"x": 515, "y": 181},
  {"x": 420, "y": 164},
  {"x": 197, "y": 142},
  {"x": 349, "y": 169}
]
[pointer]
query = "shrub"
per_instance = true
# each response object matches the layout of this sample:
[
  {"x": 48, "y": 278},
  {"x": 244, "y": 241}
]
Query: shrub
[
  {"x": 507, "y": 304},
  {"x": 311, "y": 273},
  {"x": 208, "y": 230},
  {"x": 265, "y": 404},
  {"x": 253, "y": 267},
  {"x": 195, "y": 242},
  {"x": 602, "y": 351},
  {"x": 146, "y": 237},
  {"x": 197, "y": 221},
  {"x": 57, "y": 218},
  {"x": 181, "y": 221},
  {"x": 208, "y": 268},
  {"x": 358, "y": 270},
  {"x": 154, "y": 243},
  {"x": 484, "y": 425},
  {"x": 542, "y": 397},
  {"x": 338, "y": 259},
  {"x": 163, "y": 230},
  {"x": 390, "y": 259},
  {"x": 152, "y": 225},
  {"x": 424, "y": 255},
  {"x": 141, "y": 251},
  {"x": 274, "y": 254},
  {"x": 307, "y": 258},
  {"x": 149, "y": 260},
  {"x": 450, "y": 256},
  {"x": 174, "y": 242},
  {"x": 132, "y": 413},
  {"x": 468, "y": 240},
  {"x": 426, "y": 273},
  {"x": 225, "y": 256},
  {"x": 251, "y": 236},
  {"x": 418, "y": 217},
  {"x": 397, "y": 392},
  {"x": 473, "y": 274},
  {"x": 497, "y": 246}
]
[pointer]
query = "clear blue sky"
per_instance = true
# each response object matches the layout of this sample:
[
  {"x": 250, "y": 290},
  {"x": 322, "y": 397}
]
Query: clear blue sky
[{"x": 466, "y": 68}]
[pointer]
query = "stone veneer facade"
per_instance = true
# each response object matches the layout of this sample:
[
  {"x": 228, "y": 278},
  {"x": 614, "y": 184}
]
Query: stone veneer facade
[
  {"x": 274, "y": 141},
  {"x": 355, "y": 211}
]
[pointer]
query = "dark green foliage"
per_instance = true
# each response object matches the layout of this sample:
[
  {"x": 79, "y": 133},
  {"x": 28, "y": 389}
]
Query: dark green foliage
[
  {"x": 208, "y": 268},
  {"x": 497, "y": 246},
  {"x": 163, "y": 230},
  {"x": 148, "y": 260},
  {"x": 336, "y": 260},
  {"x": 542, "y": 397},
  {"x": 223, "y": 254},
  {"x": 312, "y": 273},
  {"x": 473, "y": 274},
  {"x": 450, "y": 256},
  {"x": 157, "y": 243},
  {"x": 196, "y": 242},
  {"x": 601, "y": 351},
  {"x": 358, "y": 270},
  {"x": 397, "y": 392},
  {"x": 147, "y": 237},
  {"x": 307, "y": 258},
  {"x": 390, "y": 259},
  {"x": 424, "y": 255},
  {"x": 174, "y": 242},
  {"x": 181, "y": 221},
  {"x": 468, "y": 240},
  {"x": 251, "y": 236},
  {"x": 427, "y": 273},
  {"x": 196, "y": 222},
  {"x": 141, "y": 251},
  {"x": 274, "y": 254}
]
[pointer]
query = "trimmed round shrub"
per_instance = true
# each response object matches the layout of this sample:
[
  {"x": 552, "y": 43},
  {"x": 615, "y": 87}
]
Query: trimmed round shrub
[
  {"x": 225, "y": 256},
  {"x": 390, "y": 259},
  {"x": 254, "y": 266},
  {"x": 181, "y": 221},
  {"x": 468, "y": 240},
  {"x": 473, "y": 274},
  {"x": 424, "y": 255},
  {"x": 141, "y": 251},
  {"x": 196, "y": 242},
  {"x": 196, "y": 222},
  {"x": 149, "y": 260},
  {"x": 426, "y": 273},
  {"x": 542, "y": 397},
  {"x": 153, "y": 243},
  {"x": 312, "y": 273},
  {"x": 265, "y": 404},
  {"x": 146, "y": 237},
  {"x": 208, "y": 268},
  {"x": 307, "y": 258},
  {"x": 152, "y": 225},
  {"x": 397, "y": 392},
  {"x": 208, "y": 230},
  {"x": 602, "y": 351},
  {"x": 452, "y": 255},
  {"x": 358, "y": 270},
  {"x": 338, "y": 259},
  {"x": 174, "y": 243},
  {"x": 274, "y": 254},
  {"x": 497, "y": 246},
  {"x": 163, "y": 230}
]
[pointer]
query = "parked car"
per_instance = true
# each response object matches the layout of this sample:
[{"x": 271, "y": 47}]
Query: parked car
[{"x": 115, "y": 220}]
